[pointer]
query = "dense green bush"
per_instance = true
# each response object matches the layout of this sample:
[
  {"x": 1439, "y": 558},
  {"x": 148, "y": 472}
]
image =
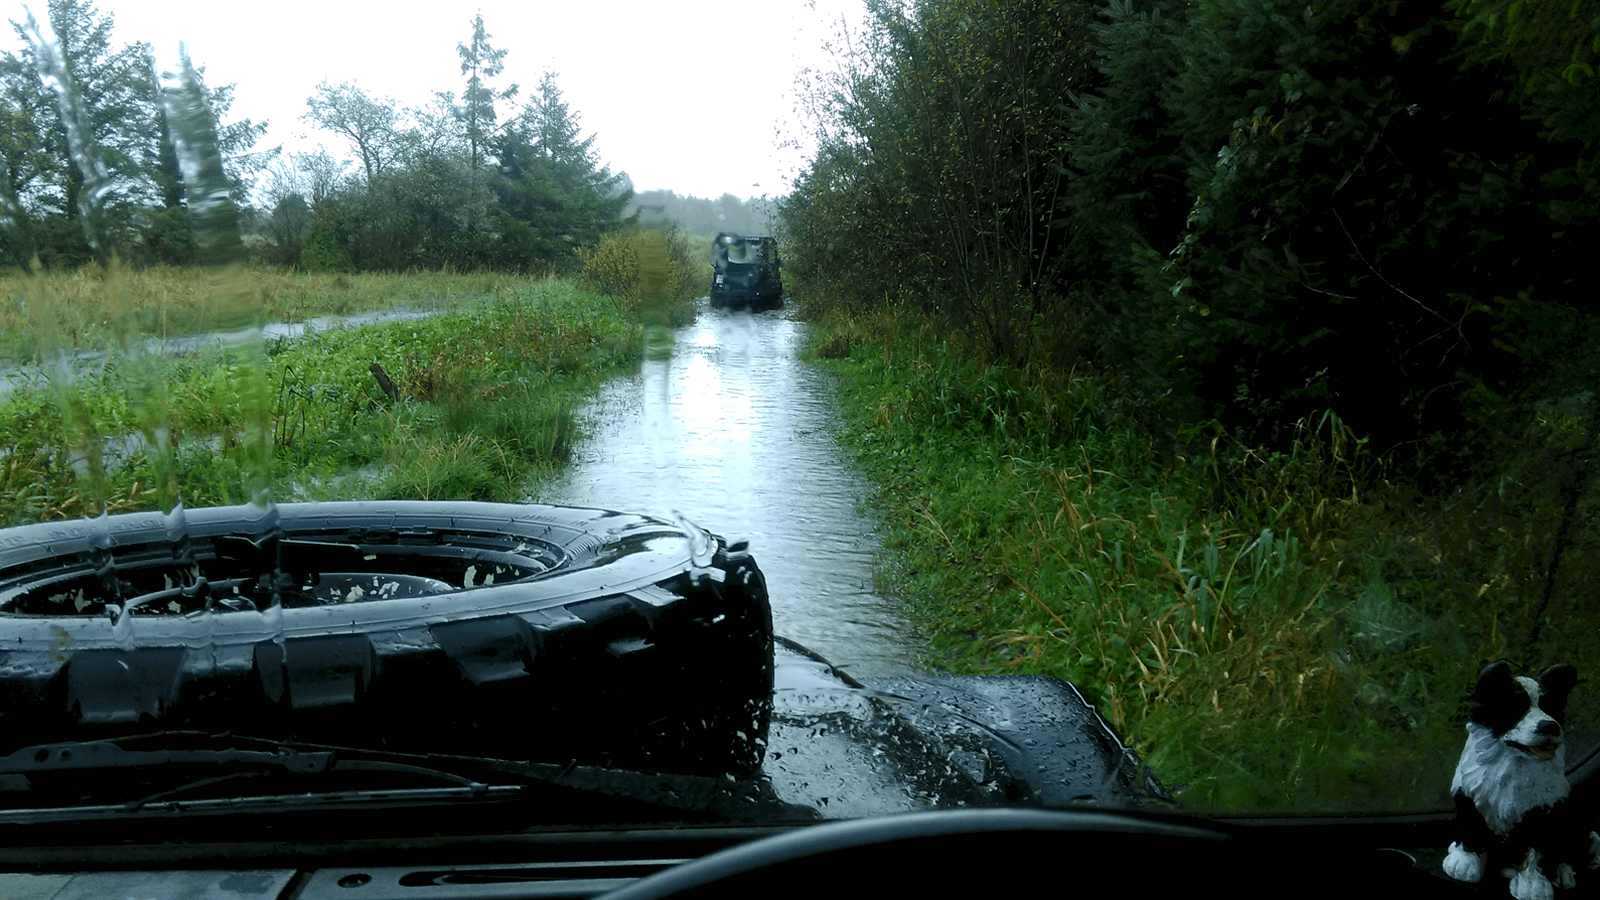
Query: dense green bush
[
  {"x": 655, "y": 267},
  {"x": 1278, "y": 418},
  {"x": 941, "y": 165},
  {"x": 1246, "y": 211}
]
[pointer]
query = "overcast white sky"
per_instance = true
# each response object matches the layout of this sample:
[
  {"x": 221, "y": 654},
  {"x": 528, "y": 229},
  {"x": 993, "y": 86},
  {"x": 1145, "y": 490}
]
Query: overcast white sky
[{"x": 690, "y": 96}]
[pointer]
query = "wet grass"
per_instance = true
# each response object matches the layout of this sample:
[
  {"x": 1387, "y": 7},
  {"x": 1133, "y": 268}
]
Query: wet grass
[
  {"x": 475, "y": 402},
  {"x": 1271, "y": 631},
  {"x": 95, "y": 307}
]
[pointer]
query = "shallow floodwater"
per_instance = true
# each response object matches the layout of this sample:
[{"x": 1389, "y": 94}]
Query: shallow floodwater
[
  {"x": 732, "y": 431},
  {"x": 31, "y": 377}
]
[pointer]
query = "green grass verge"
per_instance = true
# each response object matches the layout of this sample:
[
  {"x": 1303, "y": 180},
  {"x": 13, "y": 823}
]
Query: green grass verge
[
  {"x": 480, "y": 408},
  {"x": 98, "y": 307},
  {"x": 1266, "y": 629}
]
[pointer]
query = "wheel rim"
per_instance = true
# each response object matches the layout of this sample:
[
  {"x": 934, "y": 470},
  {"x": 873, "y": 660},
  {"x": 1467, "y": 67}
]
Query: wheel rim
[{"x": 233, "y": 571}]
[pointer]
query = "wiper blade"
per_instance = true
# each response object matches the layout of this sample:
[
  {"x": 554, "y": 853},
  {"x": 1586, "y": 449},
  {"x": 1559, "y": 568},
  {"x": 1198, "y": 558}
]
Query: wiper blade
[
  {"x": 101, "y": 755},
  {"x": 167, "y": 807},
  {"x": 724, "y": 797}
]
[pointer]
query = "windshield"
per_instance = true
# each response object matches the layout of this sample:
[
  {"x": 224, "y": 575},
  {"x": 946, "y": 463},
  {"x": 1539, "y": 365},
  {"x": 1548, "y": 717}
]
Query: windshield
[
  {"x": 732, "y": 248},
  {"x": 1146, "y": 428},
  {"x": 748, "y": 252}
]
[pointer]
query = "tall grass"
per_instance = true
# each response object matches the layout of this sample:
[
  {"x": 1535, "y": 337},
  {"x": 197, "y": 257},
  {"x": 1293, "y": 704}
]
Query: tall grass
[
  {"x": 92, "y": 305},
  {"x": 478, "y": 406},
  {"x": 1271, "y": 630}
]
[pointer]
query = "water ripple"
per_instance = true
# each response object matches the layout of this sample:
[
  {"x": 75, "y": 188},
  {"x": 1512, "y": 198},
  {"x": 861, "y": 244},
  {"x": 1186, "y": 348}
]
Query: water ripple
[{"x": 733, "y": 432}]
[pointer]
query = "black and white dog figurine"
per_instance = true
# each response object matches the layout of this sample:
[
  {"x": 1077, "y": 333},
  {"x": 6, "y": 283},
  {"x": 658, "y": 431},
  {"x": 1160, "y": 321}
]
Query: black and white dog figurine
[{"x": 1511, "y": 783}]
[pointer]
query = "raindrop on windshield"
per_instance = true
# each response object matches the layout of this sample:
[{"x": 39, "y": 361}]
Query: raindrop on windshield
[{"x": 80, "y": 364}]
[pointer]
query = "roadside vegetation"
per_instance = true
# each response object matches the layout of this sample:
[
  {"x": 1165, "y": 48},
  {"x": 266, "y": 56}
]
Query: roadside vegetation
[
  {"x": 665, "y": 263},
  {"x": 1207, "y": 355},
  {"x": 1271, "y": 629},
  {"x": 89, "y": 306},
  {"x": 127, "y": 240},
  {"x": 474, "y": 401},
  {"x": 483, "y": 174}
]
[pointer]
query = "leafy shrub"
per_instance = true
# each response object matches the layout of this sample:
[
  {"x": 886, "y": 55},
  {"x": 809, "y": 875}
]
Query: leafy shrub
[
  {"x": 328, "y": 243},
  {"x": 655, "y": 271},
  {"x": 612, "y": 267}
]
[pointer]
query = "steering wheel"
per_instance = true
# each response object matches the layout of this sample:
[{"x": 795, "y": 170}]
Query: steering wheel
[{"x": 956, "y": 853}]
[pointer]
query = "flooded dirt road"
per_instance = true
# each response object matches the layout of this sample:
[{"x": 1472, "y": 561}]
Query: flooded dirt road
[{"x": 732, "y": 431}]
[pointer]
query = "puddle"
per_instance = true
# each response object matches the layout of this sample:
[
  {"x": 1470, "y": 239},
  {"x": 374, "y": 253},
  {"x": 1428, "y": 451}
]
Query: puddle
[
  {"x": 732, "y": 431},
  {"x": 32, "y": 377}
]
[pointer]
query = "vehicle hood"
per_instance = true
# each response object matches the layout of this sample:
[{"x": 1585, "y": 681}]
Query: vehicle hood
[{"x": 850, "y": 748}]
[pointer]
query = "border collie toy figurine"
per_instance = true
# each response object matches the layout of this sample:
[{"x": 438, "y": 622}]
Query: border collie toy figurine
[{"x": 1511, "y": 782}]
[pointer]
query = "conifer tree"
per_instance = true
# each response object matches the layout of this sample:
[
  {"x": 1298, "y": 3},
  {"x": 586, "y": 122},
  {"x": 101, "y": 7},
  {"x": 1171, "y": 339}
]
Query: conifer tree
[{"x": 480, "y": 62}]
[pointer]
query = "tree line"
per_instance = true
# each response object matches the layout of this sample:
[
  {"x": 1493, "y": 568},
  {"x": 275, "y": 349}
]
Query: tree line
[
  {"x": 90, "y": 165},
  {"x": 1249, "y": 212}
]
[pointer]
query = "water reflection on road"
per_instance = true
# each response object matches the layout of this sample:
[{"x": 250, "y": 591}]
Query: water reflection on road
[{"x": 733, "y": 432}]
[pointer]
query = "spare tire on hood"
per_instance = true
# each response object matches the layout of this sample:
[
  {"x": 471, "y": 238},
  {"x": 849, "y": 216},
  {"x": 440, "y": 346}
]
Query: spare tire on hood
[{"x": 513, "y": 631}]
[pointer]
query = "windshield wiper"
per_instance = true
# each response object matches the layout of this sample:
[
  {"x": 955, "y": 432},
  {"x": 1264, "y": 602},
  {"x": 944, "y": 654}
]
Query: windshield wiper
[
  {"x": 80, "y": 755},
  {"x": 32, "y": 770},
  {"x": 102, "y": 755}
]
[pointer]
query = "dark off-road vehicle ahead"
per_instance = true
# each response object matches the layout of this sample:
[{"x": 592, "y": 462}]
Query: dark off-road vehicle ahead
[{"x": 747, "y": 272}]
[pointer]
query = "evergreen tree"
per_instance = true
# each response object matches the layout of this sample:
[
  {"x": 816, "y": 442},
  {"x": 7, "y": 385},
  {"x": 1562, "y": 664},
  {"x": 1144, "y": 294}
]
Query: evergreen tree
[
  {"x": 554, "y": 195},
  {"x": 191, "y": 131},
  {"x": 95, "y": 103},
  {"x": 86, "y": 155},
  {"x": 1126, "y": 201},
  {"x": 480, "y": 62},
  {"x": 28, "y": 169}
]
